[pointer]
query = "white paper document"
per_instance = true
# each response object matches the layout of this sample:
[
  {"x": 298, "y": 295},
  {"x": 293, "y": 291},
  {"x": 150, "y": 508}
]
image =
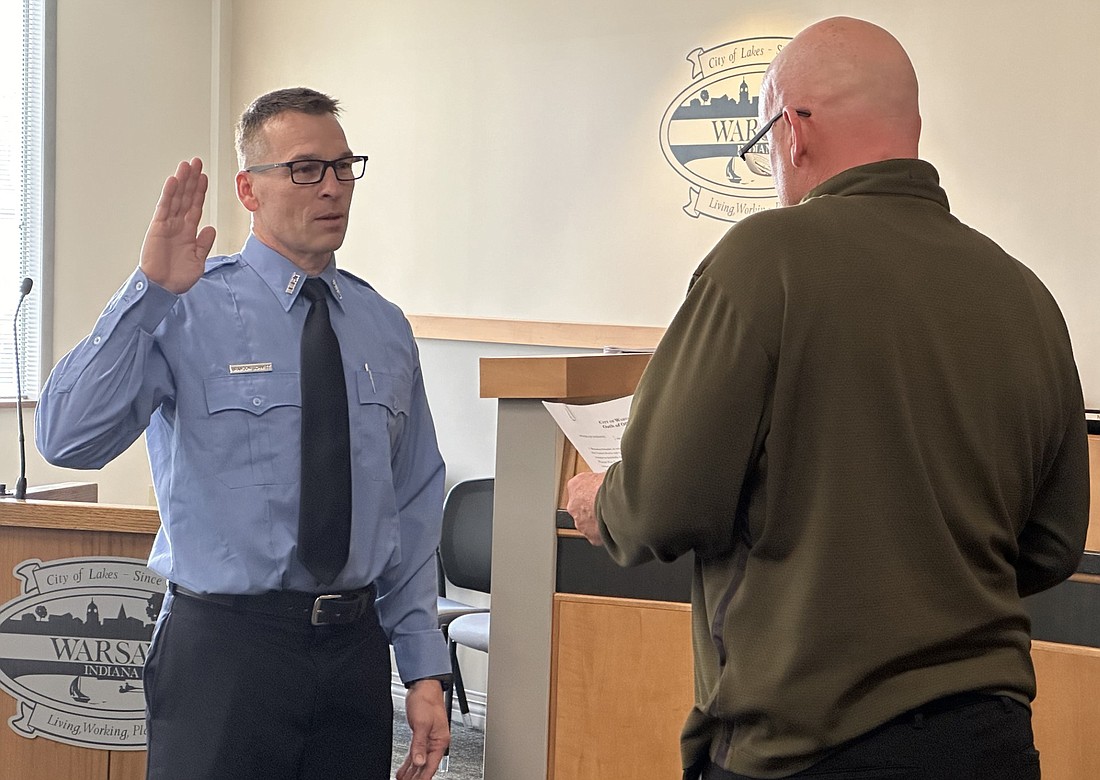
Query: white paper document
[{"x": 594, "y": 430}]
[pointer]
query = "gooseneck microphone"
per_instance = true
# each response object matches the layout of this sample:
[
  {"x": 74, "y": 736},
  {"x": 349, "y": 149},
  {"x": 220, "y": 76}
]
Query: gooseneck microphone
[{"x": 21, "y": 483}]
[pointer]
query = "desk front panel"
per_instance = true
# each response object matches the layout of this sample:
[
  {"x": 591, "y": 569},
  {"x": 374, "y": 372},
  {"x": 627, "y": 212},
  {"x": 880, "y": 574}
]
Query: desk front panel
[
  {"x": 38, "y": 758},
  {"x": 621, "y": 688}
]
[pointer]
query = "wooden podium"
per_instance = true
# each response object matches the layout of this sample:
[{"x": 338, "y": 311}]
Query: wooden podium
[
  {"x": 590, "y": 666},
  {"x": 50, "y": 531}
]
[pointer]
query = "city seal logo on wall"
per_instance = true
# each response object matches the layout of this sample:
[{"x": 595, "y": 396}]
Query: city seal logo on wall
[
  {"x": 73, "y": 647},
  {"x": 704, "y": 127}
]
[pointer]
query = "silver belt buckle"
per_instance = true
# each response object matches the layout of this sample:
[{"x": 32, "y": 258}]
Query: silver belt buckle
[{"x": 315, "y": 616}]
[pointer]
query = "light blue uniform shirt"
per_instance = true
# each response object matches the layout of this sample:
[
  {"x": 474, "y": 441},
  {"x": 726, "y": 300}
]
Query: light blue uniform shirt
[{"x": 212, "y": 376}]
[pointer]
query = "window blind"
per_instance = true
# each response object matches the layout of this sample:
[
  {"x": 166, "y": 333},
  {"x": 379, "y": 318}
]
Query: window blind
[{"x": 22, "y": 191}]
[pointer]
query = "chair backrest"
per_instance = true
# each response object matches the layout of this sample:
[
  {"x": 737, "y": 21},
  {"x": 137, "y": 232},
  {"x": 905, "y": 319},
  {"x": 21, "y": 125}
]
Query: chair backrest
[{"x": 466, "y": 546}]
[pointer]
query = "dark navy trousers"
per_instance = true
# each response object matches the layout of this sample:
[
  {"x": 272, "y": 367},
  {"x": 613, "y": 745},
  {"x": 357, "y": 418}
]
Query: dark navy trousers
[{"x": 237, "y": 695}]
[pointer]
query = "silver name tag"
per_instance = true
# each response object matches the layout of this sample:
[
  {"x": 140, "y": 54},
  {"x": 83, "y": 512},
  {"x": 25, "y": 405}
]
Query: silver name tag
[{"x": 248, "y": 368}]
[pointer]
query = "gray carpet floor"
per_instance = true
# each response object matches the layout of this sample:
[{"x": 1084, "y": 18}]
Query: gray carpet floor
[{"x": 467, "y": 748}]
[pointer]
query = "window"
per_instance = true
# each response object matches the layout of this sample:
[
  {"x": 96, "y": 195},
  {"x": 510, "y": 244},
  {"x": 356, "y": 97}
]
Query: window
[{"x": 25, "y": 201}]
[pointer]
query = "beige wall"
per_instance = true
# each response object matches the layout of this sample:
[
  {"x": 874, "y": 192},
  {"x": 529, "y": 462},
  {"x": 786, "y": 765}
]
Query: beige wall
[{"x": 515, "y": 167}]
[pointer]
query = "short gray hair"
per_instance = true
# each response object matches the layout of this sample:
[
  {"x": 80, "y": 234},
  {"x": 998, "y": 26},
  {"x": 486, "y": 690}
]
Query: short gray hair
[{"x": 267, "y": 106}]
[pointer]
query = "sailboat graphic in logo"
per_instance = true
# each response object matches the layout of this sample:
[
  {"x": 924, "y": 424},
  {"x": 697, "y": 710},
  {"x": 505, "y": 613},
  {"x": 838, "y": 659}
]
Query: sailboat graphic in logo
[
  {"x": 705, "y": 126},
  {"x": 73, "y": 648},
  {"x": 76, "y": 693}
]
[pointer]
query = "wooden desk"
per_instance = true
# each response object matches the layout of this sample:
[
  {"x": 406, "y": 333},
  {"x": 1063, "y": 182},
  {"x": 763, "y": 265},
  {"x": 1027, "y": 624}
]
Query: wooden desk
[{"x": 50, "y": 531}]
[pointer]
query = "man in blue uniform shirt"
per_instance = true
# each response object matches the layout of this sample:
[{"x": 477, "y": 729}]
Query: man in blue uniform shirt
[{"x": 260, "y": 667}]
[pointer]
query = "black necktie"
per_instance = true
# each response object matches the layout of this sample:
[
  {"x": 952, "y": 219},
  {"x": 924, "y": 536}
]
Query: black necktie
[{"x": 324, "y": 517}]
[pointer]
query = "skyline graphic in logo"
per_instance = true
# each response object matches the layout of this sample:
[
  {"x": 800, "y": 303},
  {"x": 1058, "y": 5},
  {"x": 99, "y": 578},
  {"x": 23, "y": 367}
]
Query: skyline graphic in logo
[
  {"x": 73, "y": 648},
  {"x": 705, "y": 126}
]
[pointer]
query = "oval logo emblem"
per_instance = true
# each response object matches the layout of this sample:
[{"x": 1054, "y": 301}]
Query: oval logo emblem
[
  {"x": 705, "y": 126},
  {"x": 73, "y": 647}
]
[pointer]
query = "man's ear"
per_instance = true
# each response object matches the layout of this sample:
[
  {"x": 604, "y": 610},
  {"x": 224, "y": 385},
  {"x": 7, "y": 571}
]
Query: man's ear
[
  {"x": 799, "y": 137},
  {"x": 245, "y": 193}
]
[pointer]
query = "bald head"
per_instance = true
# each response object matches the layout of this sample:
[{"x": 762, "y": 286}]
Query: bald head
[{"x": 859, "y": 86}]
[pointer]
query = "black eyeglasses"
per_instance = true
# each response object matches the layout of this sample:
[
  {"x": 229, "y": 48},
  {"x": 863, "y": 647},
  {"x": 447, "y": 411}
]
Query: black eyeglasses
[
  {"x": 764, "y": 131},
  {"x": 312, "y": 171}
]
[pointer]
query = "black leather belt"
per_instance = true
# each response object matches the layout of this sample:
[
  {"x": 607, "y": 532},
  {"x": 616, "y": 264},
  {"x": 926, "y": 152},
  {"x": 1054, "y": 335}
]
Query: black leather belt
[
  {"x": 320, "y": 609},
  {"x": 950, "y": 703}
]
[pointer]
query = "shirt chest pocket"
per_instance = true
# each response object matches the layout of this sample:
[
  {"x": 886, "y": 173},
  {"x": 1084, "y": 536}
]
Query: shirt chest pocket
[
  {"x": 384, "y": 403},
  {"x": 256, "y": 418}
]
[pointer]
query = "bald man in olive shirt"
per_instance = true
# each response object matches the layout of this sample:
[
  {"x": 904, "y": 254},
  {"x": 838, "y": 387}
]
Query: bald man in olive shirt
[{"x": 867, "y": 424}]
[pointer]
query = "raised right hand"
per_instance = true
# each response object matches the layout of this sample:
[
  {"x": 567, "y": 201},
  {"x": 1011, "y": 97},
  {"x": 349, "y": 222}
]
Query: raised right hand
[{"x": 174, "y": 252}]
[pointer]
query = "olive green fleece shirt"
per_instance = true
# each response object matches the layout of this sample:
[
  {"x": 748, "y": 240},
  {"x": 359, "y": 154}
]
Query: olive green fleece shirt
[{"x": 866, "y": 422}]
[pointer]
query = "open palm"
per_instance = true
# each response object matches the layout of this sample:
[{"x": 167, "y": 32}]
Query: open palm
[{"x": 174, "y": 252}]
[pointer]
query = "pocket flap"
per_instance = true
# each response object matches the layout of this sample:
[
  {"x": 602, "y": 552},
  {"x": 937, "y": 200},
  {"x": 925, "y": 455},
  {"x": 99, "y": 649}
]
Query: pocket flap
[
  {"x": 254, "y": 393},
  {"x": 377, "y": 387}
]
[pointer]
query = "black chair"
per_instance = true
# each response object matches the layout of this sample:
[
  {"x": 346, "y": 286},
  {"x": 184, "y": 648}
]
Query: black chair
[{"x": 464, "y": 560}]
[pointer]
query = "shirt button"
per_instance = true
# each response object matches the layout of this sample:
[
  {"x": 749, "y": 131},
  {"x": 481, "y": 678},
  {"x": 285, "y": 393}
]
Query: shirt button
[
  {"x": 139, "y": 286},
  {"x": 96, "y": 340},
  {"x": 257, "y": 401}
]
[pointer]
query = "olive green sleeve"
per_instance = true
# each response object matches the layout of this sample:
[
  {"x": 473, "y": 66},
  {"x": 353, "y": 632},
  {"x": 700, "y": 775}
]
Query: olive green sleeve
[
  {"x": 695, "y": 432},
  {"x": 1053, "y": 538}
]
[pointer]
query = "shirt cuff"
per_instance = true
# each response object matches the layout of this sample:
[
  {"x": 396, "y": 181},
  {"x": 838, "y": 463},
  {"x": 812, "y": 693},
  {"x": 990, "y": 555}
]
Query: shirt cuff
[
  {"x": 156, "y": 301},
  {"x": 445, "y": 680},
  {"x": 420, "y": 655}
]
